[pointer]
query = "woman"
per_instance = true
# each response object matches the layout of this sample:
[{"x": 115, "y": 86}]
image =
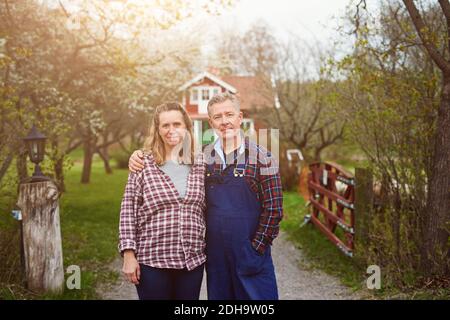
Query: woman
[{"x": 162, "y": 222}]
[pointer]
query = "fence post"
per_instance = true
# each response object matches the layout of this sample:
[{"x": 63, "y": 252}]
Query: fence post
[
  {"x": 303, "y": 182},
  {"x": 363, "y": 208},
  {"x": 44, "y": 270}
]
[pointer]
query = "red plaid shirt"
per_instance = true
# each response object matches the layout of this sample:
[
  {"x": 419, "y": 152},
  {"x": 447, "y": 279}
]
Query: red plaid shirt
[{"x": 164, "y": 230}]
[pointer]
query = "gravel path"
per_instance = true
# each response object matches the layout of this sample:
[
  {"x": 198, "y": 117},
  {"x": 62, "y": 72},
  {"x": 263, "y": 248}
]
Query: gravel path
[{"x": 297, "y": 280}]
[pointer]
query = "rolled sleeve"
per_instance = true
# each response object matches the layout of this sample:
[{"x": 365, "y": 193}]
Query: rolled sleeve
[
  {"x": 128, "y": 212},
  {"x": 272, "y": 203}
]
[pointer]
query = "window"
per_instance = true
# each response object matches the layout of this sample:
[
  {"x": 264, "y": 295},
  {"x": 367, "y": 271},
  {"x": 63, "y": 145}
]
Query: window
[
  {"x": 194, "y": 95},
  {"x": 205, "y": 94}
]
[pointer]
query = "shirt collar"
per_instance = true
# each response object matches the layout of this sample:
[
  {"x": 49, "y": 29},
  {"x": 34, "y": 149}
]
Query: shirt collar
[{"x": 221, "y": 153}]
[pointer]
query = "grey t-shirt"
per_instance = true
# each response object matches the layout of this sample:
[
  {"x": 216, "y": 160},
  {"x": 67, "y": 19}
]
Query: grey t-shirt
[{"x": 178, "y": 173}]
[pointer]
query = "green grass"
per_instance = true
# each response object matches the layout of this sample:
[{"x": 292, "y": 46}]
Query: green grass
[
  {"x": 320, "y": 252},
  {"x": 89, "y": 215},
  {"x": 89, "y": 225}
]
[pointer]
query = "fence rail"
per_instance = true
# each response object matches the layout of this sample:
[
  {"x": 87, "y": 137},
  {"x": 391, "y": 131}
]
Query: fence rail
[{"x": 332, "y": 199}]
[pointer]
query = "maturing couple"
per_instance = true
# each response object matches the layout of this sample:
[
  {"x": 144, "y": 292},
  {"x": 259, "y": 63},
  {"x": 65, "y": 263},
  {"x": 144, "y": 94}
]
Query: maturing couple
[{"x": 181, "y": 210}]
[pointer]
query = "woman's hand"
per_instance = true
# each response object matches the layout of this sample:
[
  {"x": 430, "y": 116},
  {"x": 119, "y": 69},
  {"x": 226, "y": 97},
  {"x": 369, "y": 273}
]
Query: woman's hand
[
  {"x": 131, "y": 268},
  {"x": 136, "y": 162}
]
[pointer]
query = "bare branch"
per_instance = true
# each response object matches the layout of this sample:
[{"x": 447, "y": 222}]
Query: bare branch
[
  {"x": 421, "y": 30},
  {"x": 445, "y": 5}
]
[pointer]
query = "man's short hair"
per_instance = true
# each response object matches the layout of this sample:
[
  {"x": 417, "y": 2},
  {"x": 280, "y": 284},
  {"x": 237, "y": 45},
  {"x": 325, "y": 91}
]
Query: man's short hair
[{"x": 222, "y": 97}]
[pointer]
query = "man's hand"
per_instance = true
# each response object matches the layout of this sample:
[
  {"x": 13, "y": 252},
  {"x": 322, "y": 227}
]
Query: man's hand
[
  {"x": 131, "y": 268},
  {"x": 136, "y": 162}
]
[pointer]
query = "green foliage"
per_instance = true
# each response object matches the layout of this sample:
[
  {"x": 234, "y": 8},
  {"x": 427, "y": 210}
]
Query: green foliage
[
  {"x": 85, "y": 82},
  {"x": 388, "y": 91}
]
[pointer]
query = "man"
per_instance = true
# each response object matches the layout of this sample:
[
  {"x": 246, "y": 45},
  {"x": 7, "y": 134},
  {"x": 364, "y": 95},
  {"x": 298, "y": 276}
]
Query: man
[{"x": 243, "y": 208}]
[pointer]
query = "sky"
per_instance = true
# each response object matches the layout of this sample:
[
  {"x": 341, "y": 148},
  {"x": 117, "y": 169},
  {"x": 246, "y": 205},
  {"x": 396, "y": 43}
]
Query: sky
[
  {"x": 314, "y": 21},
  {"x": 311, "y": 19}
]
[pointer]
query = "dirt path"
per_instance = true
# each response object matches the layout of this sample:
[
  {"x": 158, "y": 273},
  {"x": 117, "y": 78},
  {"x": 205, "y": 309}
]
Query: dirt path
[{"x": 296, "y": 279}]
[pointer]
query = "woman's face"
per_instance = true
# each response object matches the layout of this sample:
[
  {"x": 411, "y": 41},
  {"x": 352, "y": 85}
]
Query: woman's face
[{"x": 172, "y": 128}]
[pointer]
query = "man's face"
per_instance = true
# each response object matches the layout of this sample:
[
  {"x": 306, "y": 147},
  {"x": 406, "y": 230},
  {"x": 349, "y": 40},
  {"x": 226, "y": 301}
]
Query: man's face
[{"x": 225, "y": 119}]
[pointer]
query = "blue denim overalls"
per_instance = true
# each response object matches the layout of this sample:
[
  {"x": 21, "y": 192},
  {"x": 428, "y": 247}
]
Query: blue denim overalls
[{"x": 234, "y": 269}]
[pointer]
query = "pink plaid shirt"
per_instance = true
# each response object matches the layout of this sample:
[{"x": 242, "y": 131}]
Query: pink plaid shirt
[{"x": 164, "y": 230}]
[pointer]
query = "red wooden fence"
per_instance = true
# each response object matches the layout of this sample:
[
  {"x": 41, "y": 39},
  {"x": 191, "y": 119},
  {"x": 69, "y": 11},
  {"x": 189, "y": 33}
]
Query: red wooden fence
[{"x": 332, "y": 196}]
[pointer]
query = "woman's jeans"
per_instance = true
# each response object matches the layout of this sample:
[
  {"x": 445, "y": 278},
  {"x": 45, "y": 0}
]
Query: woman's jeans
[{"x": 169, "y": 284}]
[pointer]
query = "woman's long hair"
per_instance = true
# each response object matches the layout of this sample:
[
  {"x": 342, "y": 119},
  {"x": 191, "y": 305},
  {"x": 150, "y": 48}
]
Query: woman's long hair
[{"x": 154, "y": 144}]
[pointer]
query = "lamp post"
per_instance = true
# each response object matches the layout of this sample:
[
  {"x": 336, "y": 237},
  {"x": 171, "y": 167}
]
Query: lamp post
[
  {"x": 41, "y": 234},
  {"x": 35, "y": 142}
]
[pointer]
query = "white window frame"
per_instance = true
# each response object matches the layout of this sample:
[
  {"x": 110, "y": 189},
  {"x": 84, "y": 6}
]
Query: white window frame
[
  {"x": 205, "y": 90},
  {"x": 192, "y": 95},
  {"x": 211, "y": 90}
]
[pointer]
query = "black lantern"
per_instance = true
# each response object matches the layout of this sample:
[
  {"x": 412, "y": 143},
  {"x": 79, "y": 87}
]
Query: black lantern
[{"x": 35, "y": 142}]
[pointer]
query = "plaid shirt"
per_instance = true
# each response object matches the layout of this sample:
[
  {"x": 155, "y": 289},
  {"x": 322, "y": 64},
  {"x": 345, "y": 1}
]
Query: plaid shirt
[
  {"x": 164, "y": 230},
  {"x": 263, "y": 176}
]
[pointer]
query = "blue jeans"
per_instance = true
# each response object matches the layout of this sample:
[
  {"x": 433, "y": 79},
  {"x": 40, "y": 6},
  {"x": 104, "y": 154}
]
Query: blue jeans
[{"x": 169, "y": 284}]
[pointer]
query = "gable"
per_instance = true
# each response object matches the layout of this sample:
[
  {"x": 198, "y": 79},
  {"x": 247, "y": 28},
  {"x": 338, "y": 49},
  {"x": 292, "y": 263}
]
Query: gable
[{"x": 210, "y": 79}]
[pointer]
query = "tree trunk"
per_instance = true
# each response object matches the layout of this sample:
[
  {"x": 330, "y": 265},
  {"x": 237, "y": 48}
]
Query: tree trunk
[
  {"x": 435, "y": 252},
  {"x": 317, "y": 154},
  {"x": 87, "y": 161},
  {"x": 59, "y": 174},
  {"x": 21, "y": 164},
  {"x": 5, "y": 165},
  {"x": 41, "y": 237},
  {"x": 364, "y": 197},
  {"x": 104, "y": 155}
]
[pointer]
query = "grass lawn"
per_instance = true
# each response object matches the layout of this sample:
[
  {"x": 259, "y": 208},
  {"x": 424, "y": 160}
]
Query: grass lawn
[
  {"x": 89, "y": 225},
  {"x": 89, "y": 228}
]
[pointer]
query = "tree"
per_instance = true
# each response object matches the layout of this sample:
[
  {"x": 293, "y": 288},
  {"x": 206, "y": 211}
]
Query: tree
[
  {"x": 84, "y": 72},
  {"x": 289, "y": 72},
  {"x": 304, "y": 114},
  {"x": 251, "y": 53},
  {"x": 436, "y": 223},
  {"x": 392, "y": 92}
]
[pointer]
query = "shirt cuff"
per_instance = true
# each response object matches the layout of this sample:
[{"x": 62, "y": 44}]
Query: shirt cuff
[
  {"x": 126, "y": 245},
  {"x": 259, "y": 246}
]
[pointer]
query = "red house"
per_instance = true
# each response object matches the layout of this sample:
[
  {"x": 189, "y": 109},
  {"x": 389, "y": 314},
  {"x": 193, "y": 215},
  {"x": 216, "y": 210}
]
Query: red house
[{"x": 197, "y": 92}]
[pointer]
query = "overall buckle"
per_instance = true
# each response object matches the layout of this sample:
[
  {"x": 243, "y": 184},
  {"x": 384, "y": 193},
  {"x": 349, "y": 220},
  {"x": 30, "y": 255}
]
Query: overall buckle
[{"x": 237, "y": 172}]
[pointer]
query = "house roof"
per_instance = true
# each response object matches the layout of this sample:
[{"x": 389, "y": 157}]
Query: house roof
[
  {"x": 217, "y": 80},
  {"x": 251, "y": 91}
]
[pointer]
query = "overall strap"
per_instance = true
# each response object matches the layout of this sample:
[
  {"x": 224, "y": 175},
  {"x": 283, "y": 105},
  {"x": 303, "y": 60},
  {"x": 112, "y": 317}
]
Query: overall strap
[
  {"x": 211, "y": 168},
  {"x": 240, "y": 165}
]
